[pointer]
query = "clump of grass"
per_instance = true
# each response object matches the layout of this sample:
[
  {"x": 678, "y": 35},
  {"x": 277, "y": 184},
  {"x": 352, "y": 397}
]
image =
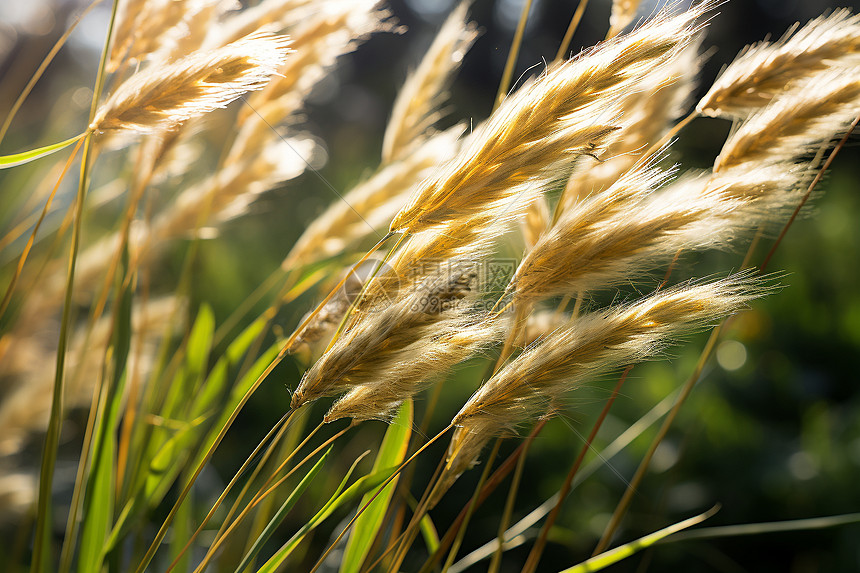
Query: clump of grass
[{"x": 570, "y": 173}]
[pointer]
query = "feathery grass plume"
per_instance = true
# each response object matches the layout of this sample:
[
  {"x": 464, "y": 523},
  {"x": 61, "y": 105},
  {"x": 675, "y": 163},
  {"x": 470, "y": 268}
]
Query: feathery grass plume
[
  {"x": 335, "y": 30},
  {"x": 423, "y": 256},
  {"x": 163, "y": 97},
  {"x": 627, "y": 230},
  {"x": 425, "y": 253},
  {"x": 272, "y": 15},
  {"x": 536, "y": 221},
  {"x": 606, "y": 230},
  {"x": 650, "y": 107},
  {"x": 537, "y": 381},
  {"x": 379, "y": 337},
  {"x": 623, "y": 12},
  {"x": 221, "y": 196},
  {"x": 531, "y": 138},
  {"x": 796, "y": 123},
  {"x": 764, "y": 71},
  {"x": 129, "y": 13},
  {"x": 449, "y": 342},
  {"x": 416, "y": 108},
  {"x": 160, "y": 26},
  {"x": 26, "y": 408},
  {"x": 758, "y": 195},
  {"x": 370, "y": 205}
]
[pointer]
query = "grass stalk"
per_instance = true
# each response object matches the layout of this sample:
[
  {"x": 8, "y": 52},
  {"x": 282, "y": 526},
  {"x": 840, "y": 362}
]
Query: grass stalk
[
  {"x": 537, "y": 549},
  {"x": 41, "y": 549},
  {"x": 513, "y": 53}
]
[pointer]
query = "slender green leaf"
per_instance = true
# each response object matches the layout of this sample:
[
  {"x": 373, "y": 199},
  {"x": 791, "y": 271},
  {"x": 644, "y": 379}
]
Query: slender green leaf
[
  {"x": 282, "y": 512},
  {"x": 236, "y": 395},
  {"x": 99, "y": 500},
  {"x": 360, "y": 487},
  {"x": 613, "y": 556},
  {"x": 203, "y": 403},
  {"x": 182, "y": 529},
  {"x": 428, "y": 532},
  {"x": 7, "y": 161},
  {"x": 391, "y": 453},
  {"x": 215, "y": 383}
]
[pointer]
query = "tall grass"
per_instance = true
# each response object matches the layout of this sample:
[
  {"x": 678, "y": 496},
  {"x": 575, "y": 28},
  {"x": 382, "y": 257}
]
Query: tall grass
[{"x": 478, "y": 287}]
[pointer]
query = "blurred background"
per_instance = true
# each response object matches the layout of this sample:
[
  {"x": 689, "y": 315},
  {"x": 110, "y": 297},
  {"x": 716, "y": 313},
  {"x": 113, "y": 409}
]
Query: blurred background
[{"x": 771, "y": 433}]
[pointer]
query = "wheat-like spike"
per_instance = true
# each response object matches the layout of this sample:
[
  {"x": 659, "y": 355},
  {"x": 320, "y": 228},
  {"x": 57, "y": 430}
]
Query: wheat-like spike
[
  {"x": 271, "y": 15},
  {"x": 315, "y": 47},
  {"x": 619, "y": 234},
  {"x": 536, "y": 221},
  {"x": 416, "y": 108},
  {"x": 379, "y": 335},
  {"x": 764, "y": 71},
  {"x": 129, "y": 13},
  {"x": 370, "y": 205},
  {"x": 600, "y": 232},
  {"x": 570, "y": 110},
  {"x": 159, "y": 28},
  {"x": 163, "y": 97},
  {"x": 537, "y": 381},
  {"x": 649, "y": 109},
  {"x": 623, "y": 12},
  {"x": 758, "y": 195},
  {"x": 449, "y": 342},
  {"x": 796, "y": 123}
]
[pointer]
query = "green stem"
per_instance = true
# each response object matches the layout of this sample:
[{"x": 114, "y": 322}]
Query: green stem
[{"x": 52, "y": 438}]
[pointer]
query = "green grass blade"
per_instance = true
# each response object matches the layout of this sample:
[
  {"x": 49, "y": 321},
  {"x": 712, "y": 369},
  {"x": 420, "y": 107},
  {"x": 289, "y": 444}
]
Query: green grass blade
[
  {"x": 215, "y": 383},
  {"x": 282, "y": 512},
  {"x": 352, "y": 493},
  {"x": 236, "y": 395},
  {"x": 99, "y": 500},
  {"x": 768, "y": 527},
  {"x": 429, "y": 533},
  {"x": 183, "y": 388},
  {"x": 391, "y": 453},
  {"x": 613, "y": 556},
  {"x": 156, "y": 475},
  {"x": 16, "y": 159}
]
